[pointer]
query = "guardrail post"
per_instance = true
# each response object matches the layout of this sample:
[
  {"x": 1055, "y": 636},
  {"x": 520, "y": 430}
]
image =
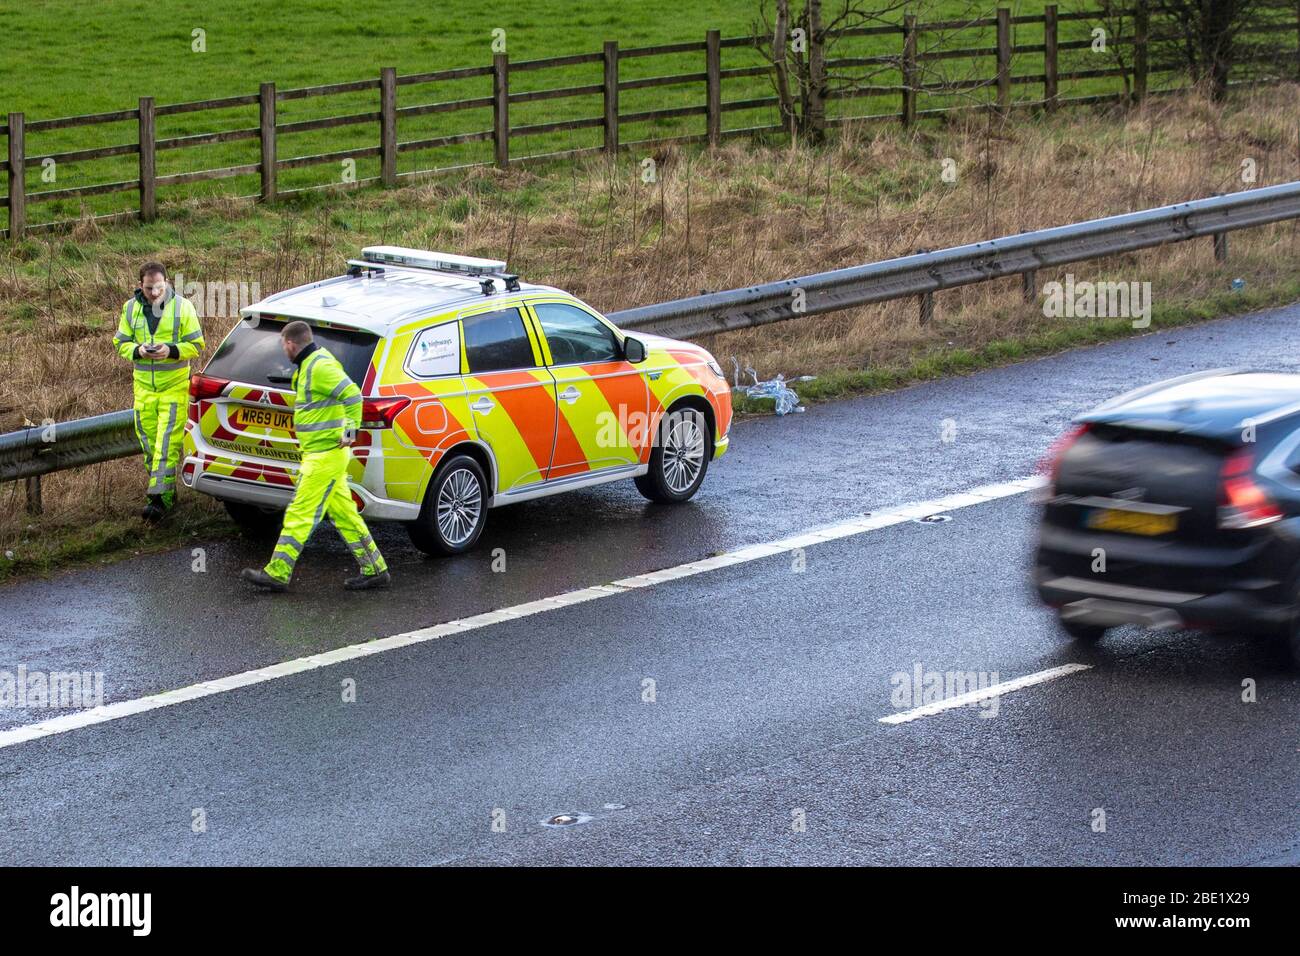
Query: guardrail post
[
  {"x": 909, "y": 69},
  {"x": 925, "y": 299},
  {"x": 501, "y": 108},
  {"x": 713, "y": 85},
  {"x": 927, "y": 307},
  {"x": 266, "y": 114},
  {"x": 1220, "y": 246},
  {"x": 1141, "y": 29},
  {"x": 1029, "y": 285},
  {"x": 17, "y": 177},
  {"x": 611, "y": 96},
  {"x": 1049, "y": 58},
  {"x": 148, "y": 167},
  {"x": 388, "y": 125},
  {"x": 1004, "y": 60},
  {"x": 34, "y": 505}
]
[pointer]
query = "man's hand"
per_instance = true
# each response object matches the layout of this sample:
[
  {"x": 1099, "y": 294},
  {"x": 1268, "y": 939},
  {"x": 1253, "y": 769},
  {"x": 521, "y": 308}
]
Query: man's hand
[
  {"x": 155, "y": 351},
  {"x": 348, "y": 439}
]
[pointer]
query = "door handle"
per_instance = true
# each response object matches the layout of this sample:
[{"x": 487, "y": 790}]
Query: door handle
[
  {"x": 483, "y": 405},
  {"x": 570, "y": 395}
]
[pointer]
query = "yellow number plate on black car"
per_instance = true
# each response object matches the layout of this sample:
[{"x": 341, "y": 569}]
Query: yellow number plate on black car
[
  {"x": 1131, "y": 522},
  {"x": 247, "y": 416}
]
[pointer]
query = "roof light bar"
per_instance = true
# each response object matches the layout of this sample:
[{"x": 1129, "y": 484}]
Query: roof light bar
[{"x": 434, "y": 261}]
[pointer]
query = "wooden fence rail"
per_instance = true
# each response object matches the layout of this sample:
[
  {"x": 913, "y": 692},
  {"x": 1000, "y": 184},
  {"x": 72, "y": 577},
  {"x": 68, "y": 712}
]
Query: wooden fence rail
[{"x": 910, "y": 63}]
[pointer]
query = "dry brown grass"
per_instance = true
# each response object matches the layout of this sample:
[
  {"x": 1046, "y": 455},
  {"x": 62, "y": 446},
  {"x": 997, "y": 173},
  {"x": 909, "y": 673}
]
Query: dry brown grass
[{"x": 743, "y": 214}]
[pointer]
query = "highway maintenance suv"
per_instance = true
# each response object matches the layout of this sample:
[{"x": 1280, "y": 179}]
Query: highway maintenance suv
[{"x": 479, "y": 390}]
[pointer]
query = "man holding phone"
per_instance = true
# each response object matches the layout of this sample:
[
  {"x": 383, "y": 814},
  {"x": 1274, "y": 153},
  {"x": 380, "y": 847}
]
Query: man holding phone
[
  {"x": 158, "y": 333},
  {"x": 326, "y": 415}
]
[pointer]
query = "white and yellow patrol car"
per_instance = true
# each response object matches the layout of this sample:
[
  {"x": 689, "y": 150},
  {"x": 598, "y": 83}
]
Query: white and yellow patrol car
[{"x": 480, "y": 390}]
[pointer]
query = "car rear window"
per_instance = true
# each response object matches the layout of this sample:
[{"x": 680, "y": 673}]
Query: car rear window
[
  {"x": 497, "y": 340},
  {"x": 252, "y": 355}
]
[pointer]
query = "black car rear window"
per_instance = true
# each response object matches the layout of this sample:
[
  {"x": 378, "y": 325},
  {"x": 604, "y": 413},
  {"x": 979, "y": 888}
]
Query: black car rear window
[{"x": 251, "y": 355}]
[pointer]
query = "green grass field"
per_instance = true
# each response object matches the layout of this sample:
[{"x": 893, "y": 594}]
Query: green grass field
[{"x": 63, "y": 58}]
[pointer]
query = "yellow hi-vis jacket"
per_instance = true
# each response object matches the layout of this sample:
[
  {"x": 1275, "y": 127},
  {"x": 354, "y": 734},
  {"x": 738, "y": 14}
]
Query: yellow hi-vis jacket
[
  {"x": 325, "y": 401},
  {"x": 178, "y": 327}
]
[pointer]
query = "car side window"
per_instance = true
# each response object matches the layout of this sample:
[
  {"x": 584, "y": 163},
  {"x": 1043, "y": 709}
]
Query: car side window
[
  {"x": 435, "y": 351},
  {"x": 576, "y": 336},
  {"x": 495, "y": 341}
]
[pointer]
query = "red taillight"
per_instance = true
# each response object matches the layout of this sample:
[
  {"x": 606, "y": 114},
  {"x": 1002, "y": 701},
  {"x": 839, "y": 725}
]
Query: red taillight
[
  {"x": 1050, "y": 464},
  {"x": 380, "y": 412},
  {"x": 206, "y": 386},
  {"x": 1242, "y": 502}
]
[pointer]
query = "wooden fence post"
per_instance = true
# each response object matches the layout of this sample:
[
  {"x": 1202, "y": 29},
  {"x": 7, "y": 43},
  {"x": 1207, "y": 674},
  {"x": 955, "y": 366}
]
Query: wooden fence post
[
  {"x": 388, "y": 125},
  {"x": 909, "y": 69},
  {"x": 1004, "y": 60},
  {"x": 1141, "y": 29},
  {"x": 713, "y": 85},
  {"x": 611, "y": 96},
  {"x": 17, "y": 177},
  {"x": 1049, "y": 58},
  {"x": 501, "y": 108},
  {"x": 266, "y": 112},
  {"x": 148, "y": 166}
]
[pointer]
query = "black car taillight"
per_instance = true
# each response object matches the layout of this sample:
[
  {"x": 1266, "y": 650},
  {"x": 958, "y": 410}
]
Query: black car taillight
[
  {"x": 380, "y": 412},
  {"x": 1243, "y": 503},
  {"x": 1050, "y": 464}
]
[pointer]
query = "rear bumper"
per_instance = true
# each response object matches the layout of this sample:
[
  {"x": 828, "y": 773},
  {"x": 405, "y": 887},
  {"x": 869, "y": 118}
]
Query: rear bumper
[
  {"x": 266, "y": 495},
  {"x": 1093, "y": 601}
]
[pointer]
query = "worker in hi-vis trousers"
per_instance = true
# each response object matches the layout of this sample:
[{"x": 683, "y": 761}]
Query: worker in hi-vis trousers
[
  {"x": 158, "y": 333},
  {"x": 326, "y": 415}
]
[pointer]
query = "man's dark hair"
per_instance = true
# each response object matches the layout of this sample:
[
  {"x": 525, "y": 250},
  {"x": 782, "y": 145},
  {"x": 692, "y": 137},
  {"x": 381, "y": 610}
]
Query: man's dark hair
[
  {"x": 151, "y": 267},
  {"x": 299, "y": 333}
]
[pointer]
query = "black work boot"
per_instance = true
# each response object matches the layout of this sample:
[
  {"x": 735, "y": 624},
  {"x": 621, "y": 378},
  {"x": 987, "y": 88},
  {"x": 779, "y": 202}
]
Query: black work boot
[
  {"x": 154, "y": 511},
  {"x": 260, "y": 579},
  {"x": 364, "y": 582}
]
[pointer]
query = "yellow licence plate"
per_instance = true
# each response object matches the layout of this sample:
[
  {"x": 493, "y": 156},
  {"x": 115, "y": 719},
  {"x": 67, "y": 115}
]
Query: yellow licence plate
[
  {"x": 1131, "y": 522},
  {"x": 247, "y": 416}
]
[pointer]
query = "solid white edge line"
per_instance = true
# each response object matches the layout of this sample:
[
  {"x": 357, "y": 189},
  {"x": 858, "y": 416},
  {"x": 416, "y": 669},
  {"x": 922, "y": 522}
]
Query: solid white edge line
[
  {"x": 858, "y": 524},
  {"x": 994, "y": 690}
]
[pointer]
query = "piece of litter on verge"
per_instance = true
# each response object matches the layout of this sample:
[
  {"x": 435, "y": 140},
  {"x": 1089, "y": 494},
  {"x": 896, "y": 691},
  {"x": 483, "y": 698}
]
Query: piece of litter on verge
[{"x": 783, "y": 397}]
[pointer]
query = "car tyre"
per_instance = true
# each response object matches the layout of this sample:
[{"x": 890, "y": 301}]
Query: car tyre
[
  {"x": 1292, "y": 638},
  {"x": 1084, "y": 633},
  {"x": 255, "y": 522},
  {"x": 454, "y": 510},
  {"x": 679, "y": 459}
]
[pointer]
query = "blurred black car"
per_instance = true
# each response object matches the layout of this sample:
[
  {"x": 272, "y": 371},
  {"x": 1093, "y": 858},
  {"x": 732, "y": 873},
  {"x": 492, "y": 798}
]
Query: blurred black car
[{"x": 1178, "y": 505}]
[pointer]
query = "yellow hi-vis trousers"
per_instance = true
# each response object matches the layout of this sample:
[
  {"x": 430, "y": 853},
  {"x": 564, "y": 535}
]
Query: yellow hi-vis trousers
[
  {"x": 322, "y": 490},
  {"x": 160, "y": 428}
]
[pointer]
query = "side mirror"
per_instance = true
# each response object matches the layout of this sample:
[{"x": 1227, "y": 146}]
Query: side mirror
[{"x": 633, "y": 350}]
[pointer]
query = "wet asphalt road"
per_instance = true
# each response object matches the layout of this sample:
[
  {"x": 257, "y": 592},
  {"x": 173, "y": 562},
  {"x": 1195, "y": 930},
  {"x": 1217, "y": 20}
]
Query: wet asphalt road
[{"x": 769, "y": 683}]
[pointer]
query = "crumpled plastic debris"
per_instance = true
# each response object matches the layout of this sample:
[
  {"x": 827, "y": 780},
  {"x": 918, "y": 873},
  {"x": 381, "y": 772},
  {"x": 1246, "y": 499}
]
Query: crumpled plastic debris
[{"x": 783, "y": 397}]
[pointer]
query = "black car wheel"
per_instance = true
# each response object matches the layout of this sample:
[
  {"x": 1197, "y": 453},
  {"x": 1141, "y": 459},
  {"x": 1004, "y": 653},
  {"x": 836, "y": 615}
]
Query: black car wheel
[
  {"x": 255, "y": 522},
  {"x": 454, "y": 510},
  {"x": 1084, "y": 633},
  {"x": 679, "y": 459}
]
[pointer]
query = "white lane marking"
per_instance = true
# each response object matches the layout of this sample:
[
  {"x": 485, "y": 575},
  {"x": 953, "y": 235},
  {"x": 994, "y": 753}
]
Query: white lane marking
[
  {"x": 994, "y": 690},
  {"x": 858, "y": 524}
]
